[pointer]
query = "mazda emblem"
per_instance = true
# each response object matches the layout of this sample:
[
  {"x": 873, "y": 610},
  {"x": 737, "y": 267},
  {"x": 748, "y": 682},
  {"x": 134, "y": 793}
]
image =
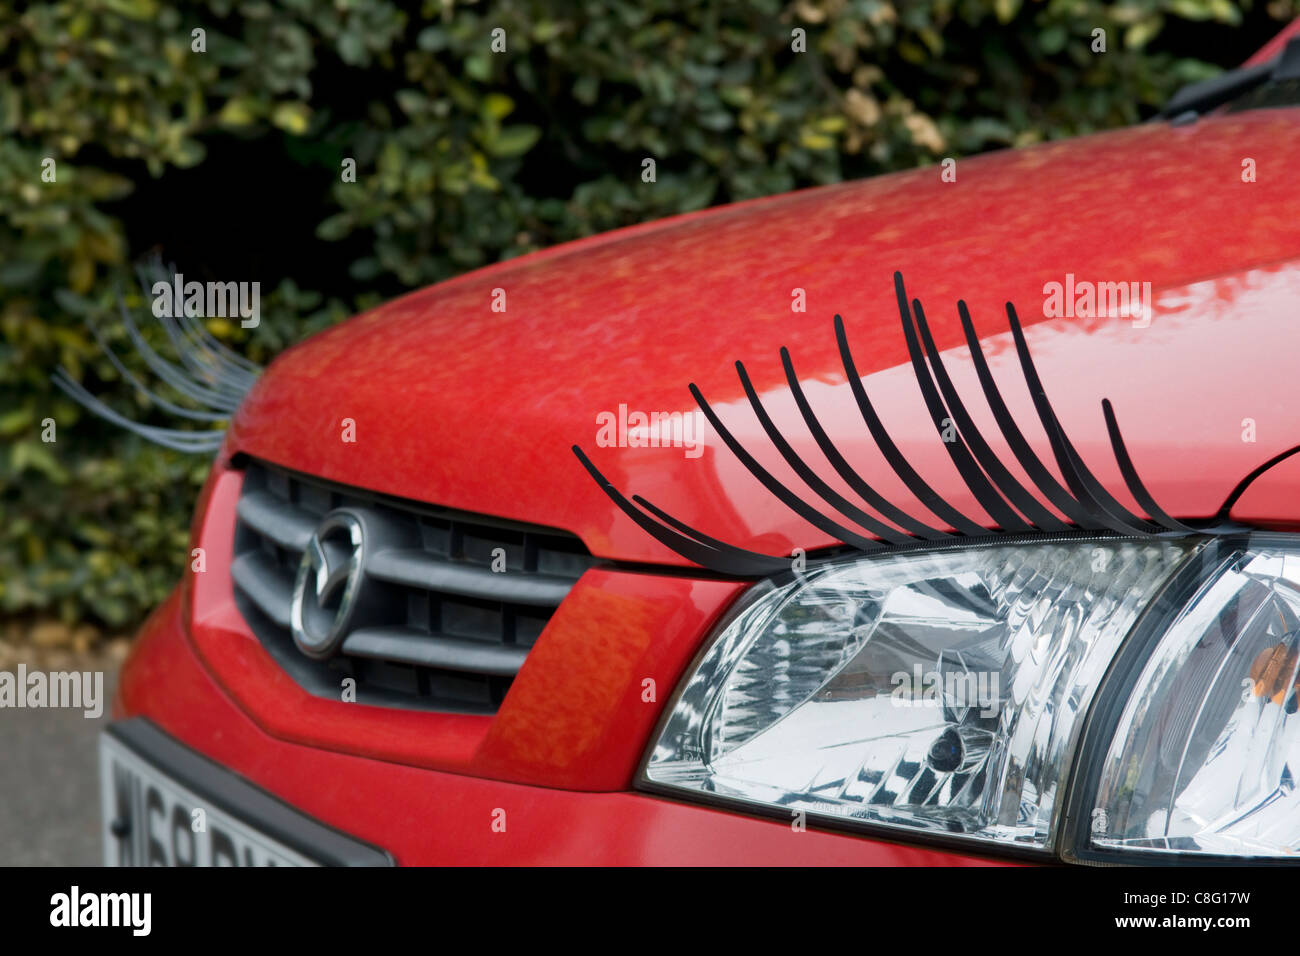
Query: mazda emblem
[{"x": 325, "y": 592}]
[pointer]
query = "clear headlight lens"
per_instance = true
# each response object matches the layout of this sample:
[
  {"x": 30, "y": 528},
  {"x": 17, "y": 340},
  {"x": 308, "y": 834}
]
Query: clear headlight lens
[
  {"x": 934, "y": 691},
  {"x": 1201, "y": 757}
]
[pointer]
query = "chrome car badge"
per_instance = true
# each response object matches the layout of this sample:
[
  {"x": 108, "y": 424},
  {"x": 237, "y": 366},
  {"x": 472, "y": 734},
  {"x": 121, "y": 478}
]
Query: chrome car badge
[{"x": 326, "y": 589}]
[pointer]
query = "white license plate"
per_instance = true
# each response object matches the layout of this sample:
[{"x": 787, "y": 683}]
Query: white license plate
[{"x": 148, "y": 819}]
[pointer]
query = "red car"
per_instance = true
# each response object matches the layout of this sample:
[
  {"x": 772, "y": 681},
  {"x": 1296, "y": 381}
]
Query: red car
[{"x": 525, "y": 568}]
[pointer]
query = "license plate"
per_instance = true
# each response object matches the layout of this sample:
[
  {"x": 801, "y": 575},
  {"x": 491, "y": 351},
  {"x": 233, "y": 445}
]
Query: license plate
[{"x": 149, "y": 819}]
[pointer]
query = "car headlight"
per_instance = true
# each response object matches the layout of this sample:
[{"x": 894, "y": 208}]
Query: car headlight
[
  {"x": 945, "y": 694},
  {"x": 1200, "y": 758}
]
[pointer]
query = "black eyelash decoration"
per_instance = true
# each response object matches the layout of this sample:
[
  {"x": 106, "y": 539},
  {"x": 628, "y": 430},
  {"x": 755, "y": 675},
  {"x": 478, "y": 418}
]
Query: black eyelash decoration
[
  {"x": 1102, "y": 509},
  {"x": 887, "y": 508},
  {"x": 703, "y": 550},
  {"x": 1014, "y": 508},
  {"x": 210, "y": 375},
  {"x": 784, "y": 494},
  {"x": 914, "y": 482}
]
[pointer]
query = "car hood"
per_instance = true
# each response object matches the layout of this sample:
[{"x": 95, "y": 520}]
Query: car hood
[{"x": 471, "y": 393}]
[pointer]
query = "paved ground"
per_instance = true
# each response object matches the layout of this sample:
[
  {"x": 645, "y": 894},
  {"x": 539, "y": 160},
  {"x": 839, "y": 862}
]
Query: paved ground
[{"x": 49, "y": 785}]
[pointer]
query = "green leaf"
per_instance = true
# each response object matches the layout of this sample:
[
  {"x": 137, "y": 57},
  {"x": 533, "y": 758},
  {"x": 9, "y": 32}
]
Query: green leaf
[
  {"x": 809, "y": 139},
  {"x": 1141, "y": 33},
  {"x": 498, "y": 106},
  {"x": 238, "y": 111},
  {"x": 15, "y": 421},
  {"x": 1006, "y": 10},
  {"x": 292, "y": 117},
  {"x": 513, "y": 140},
  {"x": 335, "y": 227},
  {"x": 352, "y": 49},
  {"x": 479, "y": 67}
]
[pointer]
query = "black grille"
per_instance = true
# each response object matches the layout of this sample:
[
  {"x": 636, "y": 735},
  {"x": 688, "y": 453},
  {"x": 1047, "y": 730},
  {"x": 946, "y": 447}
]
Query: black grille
[{"x": 444, "y": 631}]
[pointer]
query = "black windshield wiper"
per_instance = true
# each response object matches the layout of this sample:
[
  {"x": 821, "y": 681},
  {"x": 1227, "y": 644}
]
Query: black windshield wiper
[{"x": 1200, "y": 98}]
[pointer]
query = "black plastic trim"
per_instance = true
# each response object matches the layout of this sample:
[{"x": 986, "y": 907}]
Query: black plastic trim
[
  {"x": 244, "y": 800},
  {"x": 1205, "y": 95},
  {"x": 286, "y": 525}
]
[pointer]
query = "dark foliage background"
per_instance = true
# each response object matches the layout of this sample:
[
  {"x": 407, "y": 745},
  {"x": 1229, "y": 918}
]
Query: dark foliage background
[{"x": 228, "y": 163}]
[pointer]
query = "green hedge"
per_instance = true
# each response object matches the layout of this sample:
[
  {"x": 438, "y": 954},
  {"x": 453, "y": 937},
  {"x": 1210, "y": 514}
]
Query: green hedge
[{"x": 464, "y": 156}]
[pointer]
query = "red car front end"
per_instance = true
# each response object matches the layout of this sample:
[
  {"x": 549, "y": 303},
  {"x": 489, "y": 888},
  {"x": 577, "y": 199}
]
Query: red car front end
[{"x": 498, "y": 698}]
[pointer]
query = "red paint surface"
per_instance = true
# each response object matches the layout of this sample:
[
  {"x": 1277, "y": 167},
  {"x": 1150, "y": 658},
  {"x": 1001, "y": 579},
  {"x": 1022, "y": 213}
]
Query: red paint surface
[
  {"x": 1271, "y": 500},
  {"x": 461, "y": 406},
  {"x": 429, "y": 817}
]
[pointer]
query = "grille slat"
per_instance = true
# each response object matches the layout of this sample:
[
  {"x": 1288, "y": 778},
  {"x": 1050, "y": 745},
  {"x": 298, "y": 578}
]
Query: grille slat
[
  {"x": 265, "y": 584},
  {"x": 274, "y": 518},
  {"x": 441, "y": 629},
  {"x": 422, "y": 570},
  {"x": 408, "y": 646}
]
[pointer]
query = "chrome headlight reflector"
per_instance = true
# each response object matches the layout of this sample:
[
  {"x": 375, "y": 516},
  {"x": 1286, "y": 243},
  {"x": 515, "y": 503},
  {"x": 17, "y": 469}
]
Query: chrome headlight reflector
[
  {"x": 1199, "y": 763},
  {"x": 938, "y": 692},
  {"x": 1105, "y": 700}
]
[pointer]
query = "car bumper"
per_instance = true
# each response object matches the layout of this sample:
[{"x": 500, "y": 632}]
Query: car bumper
[{"x": 429, "y": 817}]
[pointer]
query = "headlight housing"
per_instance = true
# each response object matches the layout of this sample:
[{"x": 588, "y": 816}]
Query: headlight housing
[
  {"x": 945, "y": 693},
  {"x": 1199, "y": 761}
]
